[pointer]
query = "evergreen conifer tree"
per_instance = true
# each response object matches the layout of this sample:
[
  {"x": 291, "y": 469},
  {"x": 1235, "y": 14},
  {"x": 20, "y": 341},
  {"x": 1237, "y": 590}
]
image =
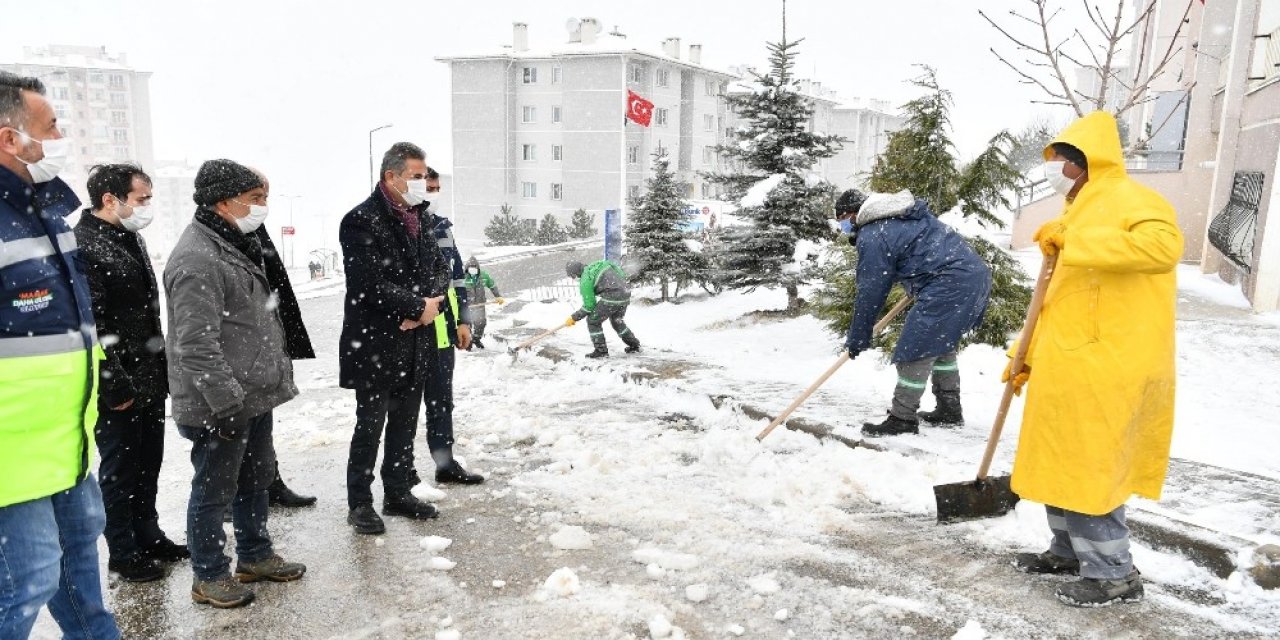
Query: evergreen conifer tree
[
  {"x": 773, "y": 181},
  {"x": 550, "y": 231},
  {"x": 583, "y": 225},
  {"x": 655, "y": 242},
  {"x": 921, "y": 158}
]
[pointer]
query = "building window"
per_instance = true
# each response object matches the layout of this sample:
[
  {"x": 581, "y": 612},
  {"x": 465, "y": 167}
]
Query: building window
[
  {"x": 530, "y": 115},
  {"x": 637, "y": 73},
  {"x": 664, "y": 77},
  {"x": 633, "y": 155},
  {"x": 119, "y": 118},
  {"x": 555, "y": 75},
  {"x": 99, "y": 95},
  {"x": 555, "y": 114},
  {"x": 557, "y": 152},
  {"x": 119, "y": 100},
  {"x": 120, "y": 135},
  {"x": 728, "y": 132},
  {"x": 707, "y": 191},
  {"x": 529, "y": 152},
  {"x": 709, "y": 122},
  {"x": 708, "y": 155},
  {"x": 117, "y": 81},
  {"x": 531, "y": 75},
  {"x": 528, "y": 190},
  {"x": 95, "y": 78},
  {"x": 660, "y": 118},
  {"x": 633, "y": 191},
  {"x": 713, "y": 88},
  {"x": 557, "y": 191},
  {"x": 60, "y": 93},
  {"x": 122, "y": 154}
]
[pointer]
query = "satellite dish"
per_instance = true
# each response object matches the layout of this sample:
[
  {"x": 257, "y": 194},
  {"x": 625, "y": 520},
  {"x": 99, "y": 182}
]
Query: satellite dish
[{"x": 572, "y": 24}]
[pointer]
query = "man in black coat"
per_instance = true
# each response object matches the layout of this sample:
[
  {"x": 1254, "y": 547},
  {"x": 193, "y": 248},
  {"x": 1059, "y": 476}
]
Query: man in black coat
[
  {"x": 133, "y": 383},
  {"x": 396, "y": 281}
]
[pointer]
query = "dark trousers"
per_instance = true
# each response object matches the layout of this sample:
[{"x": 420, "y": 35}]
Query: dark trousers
[
  {"x": 131, "y": 444},
  {"x": 614, "y": 313},
  {"x": 396, "y": 409},
  {"x": 438, "y": 398},
  {"x": 236, "y": 472}
]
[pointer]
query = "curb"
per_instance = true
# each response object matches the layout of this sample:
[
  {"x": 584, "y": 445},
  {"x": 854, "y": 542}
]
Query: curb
[{"x": 1214, "y": 551}]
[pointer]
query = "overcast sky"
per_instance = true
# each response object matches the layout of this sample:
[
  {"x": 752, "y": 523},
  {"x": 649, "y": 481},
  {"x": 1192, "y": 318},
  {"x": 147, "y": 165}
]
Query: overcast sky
[{"x": 294, "y": 86}]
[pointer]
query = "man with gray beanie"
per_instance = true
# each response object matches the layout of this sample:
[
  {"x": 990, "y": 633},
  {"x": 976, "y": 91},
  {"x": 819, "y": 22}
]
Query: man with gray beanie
[{"x": 228, "y": 368}]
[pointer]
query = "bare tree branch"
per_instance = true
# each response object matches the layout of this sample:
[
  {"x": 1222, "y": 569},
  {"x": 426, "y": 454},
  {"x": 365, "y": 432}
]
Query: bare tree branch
[
  {"x": 1028, "y": 78},
  {"x": 1169, "y": 54},
  {"x": 1146, "y": 138}
]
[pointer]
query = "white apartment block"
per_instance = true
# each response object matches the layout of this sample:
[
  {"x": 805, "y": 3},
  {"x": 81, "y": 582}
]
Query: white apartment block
[
  {"x": 102, "y": 103},
  {"x": 542, "y": 129}
]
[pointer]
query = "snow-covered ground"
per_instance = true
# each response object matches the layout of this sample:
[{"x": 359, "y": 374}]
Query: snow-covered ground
[{"x": 624, "y": 510}]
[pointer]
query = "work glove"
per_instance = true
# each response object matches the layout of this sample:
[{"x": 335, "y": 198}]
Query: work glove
[
  {"x": 1019, "y": 380},
  {"x": 1051, "y": 236},
  {"x": 570, "y": 322},
  {"x": 500, "y": 301}
]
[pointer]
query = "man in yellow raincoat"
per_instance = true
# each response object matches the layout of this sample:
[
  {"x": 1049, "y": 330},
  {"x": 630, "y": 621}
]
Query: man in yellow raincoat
[{"x": 1099, "y": 414}]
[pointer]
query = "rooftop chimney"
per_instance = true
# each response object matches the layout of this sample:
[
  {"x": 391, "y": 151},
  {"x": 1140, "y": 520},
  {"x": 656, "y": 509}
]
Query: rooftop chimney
[
  {"x": 671, "y": 47},
  {"x": 695, "y": 53},
  {"x": 519, "y": 37},
  {"x": 590, "y": 29}
]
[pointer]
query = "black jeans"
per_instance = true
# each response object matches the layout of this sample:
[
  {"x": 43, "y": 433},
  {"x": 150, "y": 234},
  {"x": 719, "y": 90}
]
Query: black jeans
[
  {"x": 396, "y": 408},
  {"x": 232, "y": 472},
  {"x": 131, "y": 444},
  {"x": 438, "y": 399}
]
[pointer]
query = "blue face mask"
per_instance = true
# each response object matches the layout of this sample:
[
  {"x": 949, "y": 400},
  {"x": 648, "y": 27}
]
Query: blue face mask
[{"x": 846, "y": 227}]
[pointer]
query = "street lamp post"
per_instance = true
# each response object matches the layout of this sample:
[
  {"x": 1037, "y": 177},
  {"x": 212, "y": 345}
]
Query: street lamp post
[{"x": 373, "y": 180}]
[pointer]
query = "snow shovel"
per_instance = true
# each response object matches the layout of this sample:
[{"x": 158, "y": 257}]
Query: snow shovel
[
  {"x": 989, "y": 497},
  {"x": 844, "y": 357},
  {"x": 515, "y": 351}
]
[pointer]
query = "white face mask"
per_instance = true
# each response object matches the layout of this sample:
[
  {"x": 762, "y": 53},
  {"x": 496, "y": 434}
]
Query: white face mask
[
  {"x": 417, "y": 193},
  {"x": 55, "y": 158},
  {"x": 250, "y": 223},
  {"x": 139, "y": 219},
  {"x": 473, "y": 271},
  {"x": 1053, "y": 173}
]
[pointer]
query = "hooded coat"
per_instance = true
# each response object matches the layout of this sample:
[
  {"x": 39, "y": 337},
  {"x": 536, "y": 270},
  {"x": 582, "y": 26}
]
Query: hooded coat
[
  {"x": 900, "y": 240},
  {"x": 1099, "y": 412}
]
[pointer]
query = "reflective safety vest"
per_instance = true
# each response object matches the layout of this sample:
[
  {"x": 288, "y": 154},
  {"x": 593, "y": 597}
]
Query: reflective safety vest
[
  {"x": 49, "y": 355},
  {"x": 442, "y": 323}
]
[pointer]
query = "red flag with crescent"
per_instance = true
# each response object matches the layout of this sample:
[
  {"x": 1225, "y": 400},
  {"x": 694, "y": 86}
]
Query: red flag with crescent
[{"x": 639, "y": 110}]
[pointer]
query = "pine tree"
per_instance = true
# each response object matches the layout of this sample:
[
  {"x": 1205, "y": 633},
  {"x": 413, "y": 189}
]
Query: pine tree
[
  {"x": 654, "y": 239},
  {"x": 507, "y": 229},
  {"x": 777, "y": 146},
  {"x": 550, "y": 231},
  {"x": 922, "y": 159},
  {"x": 583, "y": 225}
]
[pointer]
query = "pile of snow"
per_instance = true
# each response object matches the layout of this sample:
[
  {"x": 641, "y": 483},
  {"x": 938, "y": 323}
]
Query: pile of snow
[
  {"x": 434, "y": 544},
  {"x": 759, "y": 191},
  {"x": 562, "y": 583},
  {"x": 970, "y": 631},
  {"x": 441, "y": 564},
  {"x": 427, "y": 493},
  {"x": 696, "y": 592},
  {"x": 570, "y": 538},
  {"x": 764, "y": 584},
  {"x": 665, "y": 559}
]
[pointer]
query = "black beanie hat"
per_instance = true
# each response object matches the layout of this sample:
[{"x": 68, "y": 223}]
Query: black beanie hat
[
  {"x": 1072, "y": 154},
  {"x": 574, "y": 269},
  {"x": 219, "y": 180},
  {"x": 850, "y": 202}
]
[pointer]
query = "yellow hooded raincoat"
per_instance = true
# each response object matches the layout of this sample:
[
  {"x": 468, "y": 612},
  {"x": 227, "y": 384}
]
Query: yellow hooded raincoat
[{"x": 1099, "y": 408}]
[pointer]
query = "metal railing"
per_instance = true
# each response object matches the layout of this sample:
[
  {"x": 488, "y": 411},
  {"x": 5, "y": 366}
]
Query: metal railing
[{"x": 1232, "y": 231}]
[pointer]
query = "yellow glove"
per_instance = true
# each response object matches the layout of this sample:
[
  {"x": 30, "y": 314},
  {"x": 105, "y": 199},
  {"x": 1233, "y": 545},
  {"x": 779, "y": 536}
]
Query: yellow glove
[
  {"x": 570, "y": 322},
  {"x": 500, "y": 301},
  {"x": 1019, "y": 380},
  {"x": 1051, "y": 236}
]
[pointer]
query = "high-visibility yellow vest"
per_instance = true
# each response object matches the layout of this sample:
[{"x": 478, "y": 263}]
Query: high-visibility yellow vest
[{"x": 442, "y": 324}]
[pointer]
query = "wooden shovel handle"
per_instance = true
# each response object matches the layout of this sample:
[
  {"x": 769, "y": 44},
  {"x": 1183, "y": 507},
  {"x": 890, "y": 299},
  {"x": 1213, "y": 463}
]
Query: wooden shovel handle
[
  {"x": 527, "y": 343},
  {"x": 1019, "y": 358},
  {"x": 844, "y": 357}
]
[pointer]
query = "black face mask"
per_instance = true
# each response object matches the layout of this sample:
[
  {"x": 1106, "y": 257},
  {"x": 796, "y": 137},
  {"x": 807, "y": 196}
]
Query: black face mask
[{"x": 853, "y": 237}]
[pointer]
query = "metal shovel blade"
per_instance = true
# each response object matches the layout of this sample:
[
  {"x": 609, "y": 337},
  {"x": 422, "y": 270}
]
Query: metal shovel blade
[{"x": 983, "y": 498}]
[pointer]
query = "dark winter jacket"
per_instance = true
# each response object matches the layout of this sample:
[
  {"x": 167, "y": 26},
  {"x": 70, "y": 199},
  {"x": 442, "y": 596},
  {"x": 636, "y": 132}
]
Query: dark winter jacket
[
  {"x": 226, "y": 344},
  {"x": 604, "y": 281},
  {"x": 126, "y": 309},
  {"x": 900, "y": 240},
  {"x": 388, "y": 276},
  {"x": 297, "y": 340}
]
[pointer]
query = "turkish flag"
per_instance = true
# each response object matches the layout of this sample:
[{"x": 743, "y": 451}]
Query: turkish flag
[{"x": 639, "y": 110}]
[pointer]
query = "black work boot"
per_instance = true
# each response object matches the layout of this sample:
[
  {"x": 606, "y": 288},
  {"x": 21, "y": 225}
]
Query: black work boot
[
  {"x": 633, "y": 348},
  {"x": 365, "y": 520},
  {"x": 280, "y": 495},
  {"x": 409, "y": 506},
  {"x": 477, "y": 343},
  {"x": 223, "y": 593},
  {"x": 1045, "y": 562},
  {"x": 946, "y": 414},
  {"x": 166, "y": 550},
  {"x": 455, "y": 474},
  {"x": 600, "y": 352},
  {"x": 892, "y": 426},
  {"x": 138, "y": 567},
  {"x": 1090, "y": 592}
]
